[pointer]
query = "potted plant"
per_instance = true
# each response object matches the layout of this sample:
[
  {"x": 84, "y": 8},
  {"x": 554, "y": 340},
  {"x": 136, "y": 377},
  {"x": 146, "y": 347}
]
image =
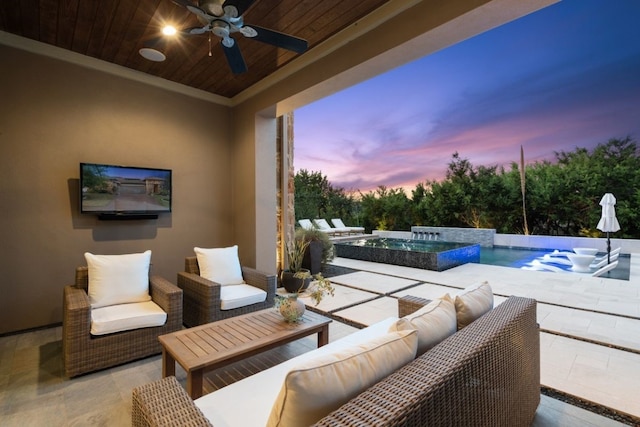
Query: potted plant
[
  {"x": 290, "y": 305},
  {"x": 297, "y": 280},
  {"x": 319, "y": 251}
]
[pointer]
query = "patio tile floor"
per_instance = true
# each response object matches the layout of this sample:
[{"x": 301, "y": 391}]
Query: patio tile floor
[
  {"x": 33, "y": 390},
  {"x": 369, "y": 312},
  {"x": 590, "y": 344},
  {"x": 374, "y": 282},
  {"x": 344, "y": 297}
]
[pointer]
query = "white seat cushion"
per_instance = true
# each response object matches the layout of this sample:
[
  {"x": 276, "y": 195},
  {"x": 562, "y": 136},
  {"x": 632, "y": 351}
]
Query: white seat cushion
[
  {"x": 472, "y": 302},
  {"x": 434, "y": 322},
  {"x": 260, "y": 391},
  {"x": 220, "y": 265},
  {"x": 125, "y": 317},
  {"x": 235, "y": 296},
  {"x": 118, "y": 279},
  {"x": 317, "y": 387}
]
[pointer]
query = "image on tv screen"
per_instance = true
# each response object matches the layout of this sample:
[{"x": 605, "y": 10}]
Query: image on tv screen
[{"x": 123, "y": 189}]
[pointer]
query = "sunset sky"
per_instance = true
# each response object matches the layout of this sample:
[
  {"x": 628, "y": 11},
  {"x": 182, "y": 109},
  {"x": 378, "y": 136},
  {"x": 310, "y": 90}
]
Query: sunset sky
[{"x": 567, "y": 76}]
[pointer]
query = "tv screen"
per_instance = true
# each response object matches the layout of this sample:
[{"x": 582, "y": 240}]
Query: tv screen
[{"x": 124, "y": 190}]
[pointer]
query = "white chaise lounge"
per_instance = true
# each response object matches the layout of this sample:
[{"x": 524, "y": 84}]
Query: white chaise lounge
[
  {"x": 337, "y": 223},
  {"x": 323, "y": 225},
  {"x": 306, "y": 224},
  {"x": 605, "y": 269}
]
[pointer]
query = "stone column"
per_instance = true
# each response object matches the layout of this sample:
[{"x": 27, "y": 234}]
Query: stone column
[{"x": 285, "y": 187}]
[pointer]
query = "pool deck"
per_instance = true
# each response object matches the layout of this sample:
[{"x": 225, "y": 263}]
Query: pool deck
[{"x": 590, "y": 327}]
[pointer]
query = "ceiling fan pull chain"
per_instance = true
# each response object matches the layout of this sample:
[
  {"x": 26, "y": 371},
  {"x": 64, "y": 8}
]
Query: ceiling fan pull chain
[{"x": 209, "y": 44}]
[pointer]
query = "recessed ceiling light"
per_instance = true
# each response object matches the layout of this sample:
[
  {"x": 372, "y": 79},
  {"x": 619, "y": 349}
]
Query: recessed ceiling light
[
  {"x": 152, "y": 54},
  {"x": 169, "y": 30}
]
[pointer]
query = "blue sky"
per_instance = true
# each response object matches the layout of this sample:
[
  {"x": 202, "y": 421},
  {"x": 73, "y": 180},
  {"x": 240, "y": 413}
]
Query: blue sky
[
  {"x": 566, "y": 76},
  {"x": 135, "y": 172}
]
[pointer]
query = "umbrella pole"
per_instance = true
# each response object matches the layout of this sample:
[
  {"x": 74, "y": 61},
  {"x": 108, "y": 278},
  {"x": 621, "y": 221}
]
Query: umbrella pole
[{"x": 608, "y": 249}]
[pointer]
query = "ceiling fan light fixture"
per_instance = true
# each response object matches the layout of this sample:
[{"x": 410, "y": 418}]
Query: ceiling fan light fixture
[
  {"x": 220, "y": 29},
  {"x": 248, "y": 32},
  {"x": 152, "y": 54},
  {"x": 231, "y": 11}
]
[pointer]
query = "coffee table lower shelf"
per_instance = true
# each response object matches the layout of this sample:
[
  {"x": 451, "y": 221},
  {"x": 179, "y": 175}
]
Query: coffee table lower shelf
[{"x": 220, "y": 343}]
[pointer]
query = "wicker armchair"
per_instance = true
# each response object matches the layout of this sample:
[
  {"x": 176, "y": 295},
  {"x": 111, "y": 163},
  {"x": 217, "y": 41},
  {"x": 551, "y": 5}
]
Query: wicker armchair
[
  {"x": 84, "y": 353},
  {"x": 202, "y": 296}
]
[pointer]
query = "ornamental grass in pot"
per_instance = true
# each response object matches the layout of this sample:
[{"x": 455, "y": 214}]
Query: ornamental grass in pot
[
  {"x": 297, "y": 280},
  {"x": 319, "y": 251}
]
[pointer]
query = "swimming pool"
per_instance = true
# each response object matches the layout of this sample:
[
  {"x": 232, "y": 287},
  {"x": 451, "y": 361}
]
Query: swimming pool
[
  {"x": 428, "y": 255},
  {"x": 440, "y": 255},
  {"x": 521, "y": 257}
]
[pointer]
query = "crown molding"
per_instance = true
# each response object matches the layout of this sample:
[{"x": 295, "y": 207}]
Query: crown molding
[{"x": 55, "y": 52}]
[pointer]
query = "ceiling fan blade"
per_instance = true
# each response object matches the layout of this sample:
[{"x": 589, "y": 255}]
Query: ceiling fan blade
[
  {"x": 201, "y": 13},
  {"x": 236, "y": 8},
  {"x": 213, "y": 7},
  {"x": 234, "y": 58},
  {"x": 276, "y": 38},
  {"x": 183, "y": 3}
]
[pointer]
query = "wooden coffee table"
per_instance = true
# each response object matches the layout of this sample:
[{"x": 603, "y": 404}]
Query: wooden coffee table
[{"x": 216, "y": 344}]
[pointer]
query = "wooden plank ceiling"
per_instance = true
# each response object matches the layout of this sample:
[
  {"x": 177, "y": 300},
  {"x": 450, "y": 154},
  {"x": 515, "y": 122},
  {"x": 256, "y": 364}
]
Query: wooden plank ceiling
[{"x": 114, "y": 31}]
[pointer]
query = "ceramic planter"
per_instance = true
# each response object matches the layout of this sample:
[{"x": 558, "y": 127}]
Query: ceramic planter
[{"x": 294, "y": 284}]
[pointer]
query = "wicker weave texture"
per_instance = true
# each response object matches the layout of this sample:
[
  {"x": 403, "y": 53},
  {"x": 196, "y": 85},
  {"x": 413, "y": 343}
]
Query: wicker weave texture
[
  {"x": 487, "y": 374},
  {"x": 202, "y": 297},
  {"x": 161, "y": 402},
  {"x": 84, "y": 353},
  {"x": 409, "y": 304}
]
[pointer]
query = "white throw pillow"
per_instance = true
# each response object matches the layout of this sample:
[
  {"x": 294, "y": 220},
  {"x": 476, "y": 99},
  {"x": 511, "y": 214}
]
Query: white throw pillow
[
  {"x": 220, "y": 265},
  {"x": 319, "y": 386},
  {"x": 434, "y": 322},
  {"x": 472, "y": 302},
  {"x": 118, "y": 279}
]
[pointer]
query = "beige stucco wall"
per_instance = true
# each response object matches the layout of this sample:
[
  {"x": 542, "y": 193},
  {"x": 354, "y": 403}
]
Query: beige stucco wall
[{"x": 54, "y": 115}]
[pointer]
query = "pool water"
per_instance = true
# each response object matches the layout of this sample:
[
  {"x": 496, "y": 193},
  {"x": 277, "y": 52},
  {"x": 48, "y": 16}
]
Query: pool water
[
  {"x": 414, "y": 245},
  {"x": 428, "y": 255},
  {"x": 521, "y": 257}
]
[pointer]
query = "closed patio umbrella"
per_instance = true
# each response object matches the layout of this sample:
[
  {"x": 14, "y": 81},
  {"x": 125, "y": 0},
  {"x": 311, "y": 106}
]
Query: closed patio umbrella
[{"x": 608, "y": 222}]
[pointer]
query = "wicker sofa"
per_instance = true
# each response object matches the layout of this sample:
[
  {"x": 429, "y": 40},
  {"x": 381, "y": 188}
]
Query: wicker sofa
[
  {"x": 84, "y": 353},
  {"x": 486, "y": 374}
]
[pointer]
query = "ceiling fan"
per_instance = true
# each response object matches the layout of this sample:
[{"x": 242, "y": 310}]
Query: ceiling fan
[{"x": 222, "y": 19}]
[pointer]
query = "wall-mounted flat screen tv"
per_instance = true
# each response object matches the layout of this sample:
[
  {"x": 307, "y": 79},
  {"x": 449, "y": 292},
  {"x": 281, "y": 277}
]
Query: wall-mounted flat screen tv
[{"x": 124, "y": 190}]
